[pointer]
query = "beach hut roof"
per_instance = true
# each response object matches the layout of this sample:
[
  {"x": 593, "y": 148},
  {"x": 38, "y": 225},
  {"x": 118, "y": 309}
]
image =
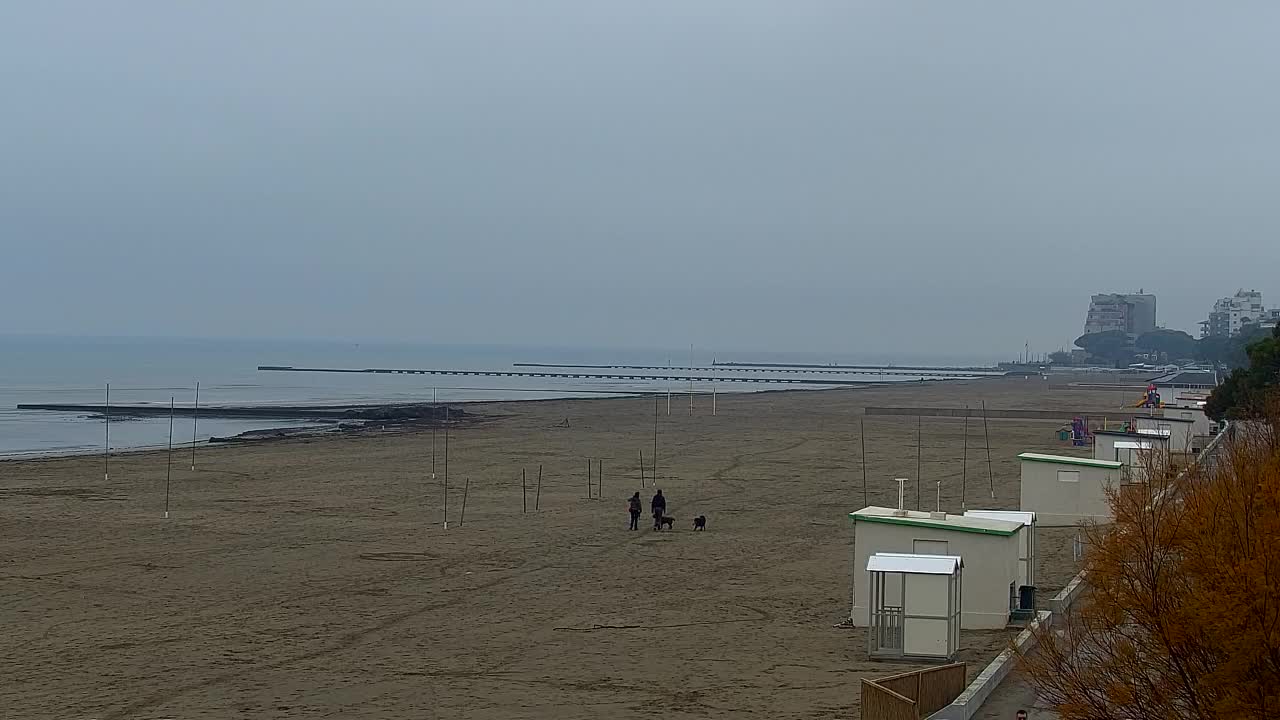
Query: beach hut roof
[
  {"x": 1072, "y": 460},
  {"x": 915, "y": 564},
  {"x": 960, "y": 523},
  {"x": 1026, "y": 517}
]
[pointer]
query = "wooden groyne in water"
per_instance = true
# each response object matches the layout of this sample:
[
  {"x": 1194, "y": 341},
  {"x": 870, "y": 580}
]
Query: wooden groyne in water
[
  {"x": 387, "y": 413},
  {"x": 576, "y": 375},
  {"x": 793, "y": 369},
  {"x": 993, "y": 413}
]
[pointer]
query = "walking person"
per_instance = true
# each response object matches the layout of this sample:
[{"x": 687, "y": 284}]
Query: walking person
[
  {"x": 659, "y": 507},
  {"x": 635, "y": 504}
]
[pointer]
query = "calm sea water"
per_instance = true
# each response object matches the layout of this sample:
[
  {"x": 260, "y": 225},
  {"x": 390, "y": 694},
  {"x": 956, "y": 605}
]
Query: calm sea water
[{"x": 75, "y": 370}]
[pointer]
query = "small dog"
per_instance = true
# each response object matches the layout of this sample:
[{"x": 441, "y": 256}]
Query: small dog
[
  {"x": 668, "y": 521},
  {"x": 700, "y": 522}
]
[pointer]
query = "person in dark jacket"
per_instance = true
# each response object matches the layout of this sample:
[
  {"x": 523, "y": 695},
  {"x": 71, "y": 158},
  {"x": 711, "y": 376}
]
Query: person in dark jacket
[
  {"x": 635, "y": 505},
  {"x": 659, "y": 506}
]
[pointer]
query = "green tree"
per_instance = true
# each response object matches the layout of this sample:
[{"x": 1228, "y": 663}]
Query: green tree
[
  {"x": 1060, "y": 357},
  {"x": 1112, "y": 346},
  {"x": 1231, "y": 352},
  {"x": 1176, "y": 344},
  {"x": 1245, "y": 392}
]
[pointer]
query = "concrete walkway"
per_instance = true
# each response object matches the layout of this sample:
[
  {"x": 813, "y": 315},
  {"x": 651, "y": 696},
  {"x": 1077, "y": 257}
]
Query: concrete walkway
[{"x": 1012, "y": 695}]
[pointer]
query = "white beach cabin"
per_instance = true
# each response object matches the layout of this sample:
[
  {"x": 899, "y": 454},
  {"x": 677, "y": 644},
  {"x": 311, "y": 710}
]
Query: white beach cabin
[
  {"x": 990, "y": 550},
  {"x": 1179, "y": 430},
  {"x": 1026, "y": 541},
  {"x": 1065, "y": 490},
  {"x": 1201, "y": 425},
  {"x": 915, "y": 603},
  {"x": 1135, "y": 450}
]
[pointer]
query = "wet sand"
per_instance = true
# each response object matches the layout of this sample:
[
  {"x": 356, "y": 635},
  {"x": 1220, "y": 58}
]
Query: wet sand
[{"x": 310, "y": 578}]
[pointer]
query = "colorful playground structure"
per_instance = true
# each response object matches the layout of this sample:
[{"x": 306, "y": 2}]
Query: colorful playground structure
[
  {"x": 1078, "y": 433},
  {"x": 1150, "y": 400}
]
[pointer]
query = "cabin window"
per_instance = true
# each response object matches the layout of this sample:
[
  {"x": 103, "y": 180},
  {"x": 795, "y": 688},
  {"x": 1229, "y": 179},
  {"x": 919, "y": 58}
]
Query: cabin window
[{"x": 929, "y": 547}]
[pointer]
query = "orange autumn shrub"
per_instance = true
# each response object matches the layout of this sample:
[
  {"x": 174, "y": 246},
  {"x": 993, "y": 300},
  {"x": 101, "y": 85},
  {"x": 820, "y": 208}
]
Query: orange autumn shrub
[{"x": 1182, "y": 615}]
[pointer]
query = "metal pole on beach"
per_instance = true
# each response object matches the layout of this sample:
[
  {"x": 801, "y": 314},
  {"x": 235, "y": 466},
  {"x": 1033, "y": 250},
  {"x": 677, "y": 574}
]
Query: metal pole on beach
[
  {"x": 195, "y": 420},
  {"x": 690, "y": 378},
  {"x": 446, "y": 467},
  {"x": 964, "y": 459},
  {"x": 862, "y": 435},
  {"x": 435, "y": 411},
  {"x": 986, "y": 432},
  {"x": 106, "y": 447},
  {"x": 537, "y": 498},
  {"x": 600, "y": 480},
  {"x": 588, "y": 478},
  {"x": 642, "y": 468},
  {"x": 524, "y": 492},
  {"x": 655, "y": 438},
  {"x": 919, "y": 500},
  {"x": 465, "y": 489},
  {"x": 168, "y": 468}
]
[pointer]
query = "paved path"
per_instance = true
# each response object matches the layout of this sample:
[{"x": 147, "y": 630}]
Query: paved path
[{"x": 1012, "y": 695}]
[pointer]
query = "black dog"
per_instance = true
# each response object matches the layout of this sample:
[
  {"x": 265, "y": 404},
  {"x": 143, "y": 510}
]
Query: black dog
[
  {"x": 700, "y": 522},
  {"x": 668, "y": 521}
]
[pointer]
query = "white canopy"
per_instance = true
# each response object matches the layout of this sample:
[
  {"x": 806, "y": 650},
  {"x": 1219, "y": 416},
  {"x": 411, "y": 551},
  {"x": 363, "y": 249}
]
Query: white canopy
[
  {"x": 1026, "y": 517},
  {"x": 915, "y": 564}
]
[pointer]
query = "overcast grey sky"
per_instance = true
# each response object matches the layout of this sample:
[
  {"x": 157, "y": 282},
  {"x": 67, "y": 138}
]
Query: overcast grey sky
[{"x": 828, "y": 176}]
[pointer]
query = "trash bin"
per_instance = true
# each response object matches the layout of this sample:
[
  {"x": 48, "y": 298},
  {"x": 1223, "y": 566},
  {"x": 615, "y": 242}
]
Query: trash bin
[
  {"x": 1064, "y": 434},
  {"x": 1027, "y": 597}
]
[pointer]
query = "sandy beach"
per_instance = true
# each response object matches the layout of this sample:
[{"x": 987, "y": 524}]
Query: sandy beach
[{"x": 313, "y": 578}]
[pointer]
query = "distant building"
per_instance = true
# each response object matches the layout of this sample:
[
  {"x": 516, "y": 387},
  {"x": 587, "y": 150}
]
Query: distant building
[
  {"x": 1231, "y": 314},
  {"x": 1185, "y": 387},
  {"x": 1132, "y": 313},
  {"x": 1270, "y": 319}
]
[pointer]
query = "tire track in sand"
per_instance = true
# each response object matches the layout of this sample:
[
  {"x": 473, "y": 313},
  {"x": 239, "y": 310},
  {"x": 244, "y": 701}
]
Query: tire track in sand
[{"x": 347, "y": 641}]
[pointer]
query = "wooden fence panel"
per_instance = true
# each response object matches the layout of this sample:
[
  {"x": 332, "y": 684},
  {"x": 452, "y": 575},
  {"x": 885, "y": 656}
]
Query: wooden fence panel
[
  {"x": 882, "y": 704},
  {"x": 939, "y": 686}
]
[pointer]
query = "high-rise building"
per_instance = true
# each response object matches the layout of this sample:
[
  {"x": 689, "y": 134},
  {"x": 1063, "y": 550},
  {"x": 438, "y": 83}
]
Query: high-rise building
[
  {"x": 1133, "y": 313},
  {"x": 1231, "y": 314}
]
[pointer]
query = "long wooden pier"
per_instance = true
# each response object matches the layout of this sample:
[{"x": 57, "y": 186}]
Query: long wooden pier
[
  {"x": 575, "y": 375},
  {"x": 801, "y": 370}
]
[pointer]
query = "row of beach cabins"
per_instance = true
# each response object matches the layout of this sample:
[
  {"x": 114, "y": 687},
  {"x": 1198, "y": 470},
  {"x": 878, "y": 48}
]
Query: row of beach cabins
[{"x": 923, "y": 577}]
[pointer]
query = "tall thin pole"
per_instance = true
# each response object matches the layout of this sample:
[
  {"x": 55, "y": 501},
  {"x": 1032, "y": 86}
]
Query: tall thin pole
[
  {"x": 524, "y": 492},
  {"x": 655, "y": 437},
  {"x": 690, "y": 378},
  {"x": 106, "y": 446},
  {"x": 600, "y": 479},
  {"x": 964, "y": 460},
  {"x": 446, "y": 467},
  {"x": 195, "y": 420},
  {"x": 642, "y": 468},
  {"x": 537, "y": 499},
  {"x": 465, "y": 489},
  {"x": 435, "y": 416},
  {"x": 668, "y": 390},
  {"x": 862, "y": 435},
  {"x": 168, "y": 468},
  {"x": 713, "y": 393},
  {"x": 919, "y": 500},
  {"x": 986, "y": 432},
  {"x": 588, "y": 478}
]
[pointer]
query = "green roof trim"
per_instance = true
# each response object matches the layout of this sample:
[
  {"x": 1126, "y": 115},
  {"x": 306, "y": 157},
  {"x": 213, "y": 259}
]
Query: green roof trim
[
  {"x": 920, "y": 522},
  {"x": 1068, "y": 460}
]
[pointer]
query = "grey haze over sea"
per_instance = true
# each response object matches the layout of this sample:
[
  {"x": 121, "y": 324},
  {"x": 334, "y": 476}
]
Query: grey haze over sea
[{"x": 42, "y": 369}]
